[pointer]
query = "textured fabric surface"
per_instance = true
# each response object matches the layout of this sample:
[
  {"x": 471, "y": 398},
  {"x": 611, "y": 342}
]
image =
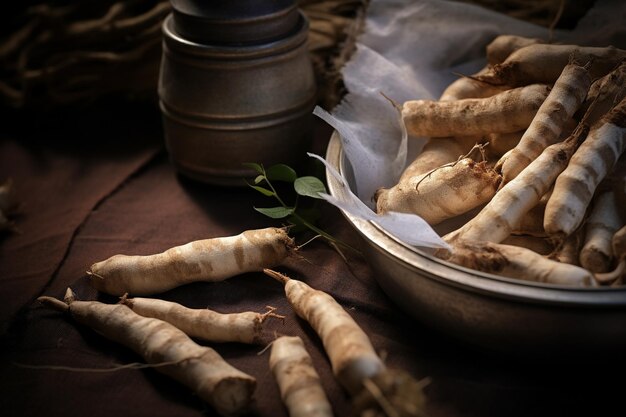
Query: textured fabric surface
[{"x": 95, "y": 188}]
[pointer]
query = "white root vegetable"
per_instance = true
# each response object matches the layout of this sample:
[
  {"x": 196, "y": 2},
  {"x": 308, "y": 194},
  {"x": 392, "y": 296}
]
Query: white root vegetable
[
  {"x": 200, "y": 368},
  {"x": 501, "y": 143},
  {"x": 300, "y": 385},
  {"x": 470, "y": 87},
  {"x": 353, "y": 359},
  {"x": 509, "y": 111},
  {"x": 503, "y": 46},
  {"x": 209, "y": 325},
  {"x": 497, "y": 51},
  {"x": 503, "y": 213},
  {"x": 604, "y": 220},
  {"x": 443, "y": 193},
  {"x": 515, "y": 262},
  {"x": 564, "y": 99},
  {"x": 544, "y": 63},
  {"x": 437, "y": 152},
  {"x": 575, "y": 187},
  {"x": 603, "y": 94},
  {"x": 531, "y": 224},
  {"x": 203, "y": 260}
]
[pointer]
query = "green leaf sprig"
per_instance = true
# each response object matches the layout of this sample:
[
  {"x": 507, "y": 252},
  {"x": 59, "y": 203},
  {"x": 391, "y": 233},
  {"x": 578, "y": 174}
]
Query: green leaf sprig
[{"x": 300, "y": 216}]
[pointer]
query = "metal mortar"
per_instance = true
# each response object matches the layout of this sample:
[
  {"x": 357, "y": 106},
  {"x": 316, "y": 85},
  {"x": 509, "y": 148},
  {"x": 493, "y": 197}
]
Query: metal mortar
[{"x": 227, "y": 103}]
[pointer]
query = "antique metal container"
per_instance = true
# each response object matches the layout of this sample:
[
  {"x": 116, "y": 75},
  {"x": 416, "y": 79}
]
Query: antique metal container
[
  {"x": 240, "y": 90},
  {"x": 227, "y": 22},
  {"x": 490, "y": 312}
]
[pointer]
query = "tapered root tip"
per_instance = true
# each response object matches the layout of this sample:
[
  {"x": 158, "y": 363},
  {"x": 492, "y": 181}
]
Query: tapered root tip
[
  {"x": 69, "y": 297},
  {"x": 276, "y": 275},
  {"x": 54, "y": 304},
  {"x": 93, "y": 275},
  {"x": 394, "y": 103},
  {"x": 126, "y": 301}
]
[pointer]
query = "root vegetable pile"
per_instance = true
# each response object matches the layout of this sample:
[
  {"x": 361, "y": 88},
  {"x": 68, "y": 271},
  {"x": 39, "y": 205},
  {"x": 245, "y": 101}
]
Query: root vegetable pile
[
  {"x": 555, "y": 117},
  {"x": 506, "y": 209},
  {"x": 576, "y": 186},
  {"x": 200, "y": 368},
  {"x": 203, "y": 260},
  {"x": 564, "y": 99}
]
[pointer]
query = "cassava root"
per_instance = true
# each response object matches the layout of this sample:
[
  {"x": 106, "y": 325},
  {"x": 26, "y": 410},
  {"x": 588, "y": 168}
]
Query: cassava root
[
  {"x": 515, "y": 262},
  {"x": 203, "y": 260},
  {"x": 541, "y": 63},
  {"x": 564, "y": 99},
  {"x": 300, "y": 385},
  {"x": 205, "y": 324},
  {"x": 443, "y": 193},
  {"x": 200, "y": 368},
  {"x": 509, "y": 111},
  {"x": 505, "y": 210},
  {"x": 576, "y": 185}
]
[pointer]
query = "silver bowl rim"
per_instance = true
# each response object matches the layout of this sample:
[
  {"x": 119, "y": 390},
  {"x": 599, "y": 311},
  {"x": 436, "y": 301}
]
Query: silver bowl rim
[{"x": 463, "y": 278}]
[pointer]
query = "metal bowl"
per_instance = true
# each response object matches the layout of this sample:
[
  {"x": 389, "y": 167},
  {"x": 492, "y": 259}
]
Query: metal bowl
[{"x": 484, "y": 310}]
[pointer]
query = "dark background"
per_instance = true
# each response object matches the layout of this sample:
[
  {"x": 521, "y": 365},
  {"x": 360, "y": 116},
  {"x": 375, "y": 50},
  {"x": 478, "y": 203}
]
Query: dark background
[{"x": 94, "y": 180}]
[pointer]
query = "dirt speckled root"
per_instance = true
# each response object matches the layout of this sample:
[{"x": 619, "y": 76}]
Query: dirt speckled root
[
  {"x": 205, "y": 324},
  {"x": 354, "y": 361},
  {"x": 568, "y": 93},
  {"x": 515, "y": 262},
  {"x": 505, "y": 210},
  {"x": 508, "y": 111},
  {"x": 576, "y": 185},
  {"x": 443, "y": 193},
  {"x": 544, "y": 63},
  {"x": 300, "y": 385},
  {"x": 202, "y": 260},
  {"x": 200, "y": 368}
]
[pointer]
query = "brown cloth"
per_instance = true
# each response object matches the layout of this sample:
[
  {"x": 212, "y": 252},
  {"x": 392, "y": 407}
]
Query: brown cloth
[{"x": 99, "y": 186}]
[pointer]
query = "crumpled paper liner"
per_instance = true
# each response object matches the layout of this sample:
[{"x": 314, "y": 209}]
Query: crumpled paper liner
[{"x": 412, "y": 50}]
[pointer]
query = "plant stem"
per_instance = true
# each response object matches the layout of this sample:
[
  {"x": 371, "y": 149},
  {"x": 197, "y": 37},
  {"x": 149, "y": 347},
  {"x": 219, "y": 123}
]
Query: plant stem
[
  {"x": 324, "y": 234},
  {"x": 305, "y": 222}
]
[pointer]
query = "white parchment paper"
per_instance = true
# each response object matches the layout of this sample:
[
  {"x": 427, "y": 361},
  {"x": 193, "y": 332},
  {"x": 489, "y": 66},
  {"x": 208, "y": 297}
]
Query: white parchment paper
[{"x": 412, "y": 50}]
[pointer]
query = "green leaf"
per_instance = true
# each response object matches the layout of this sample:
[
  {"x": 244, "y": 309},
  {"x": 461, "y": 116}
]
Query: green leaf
[
  {"x": 281, "y": 172},
  {"x": 263, "y": 191},
  {"x": 309, "y": 187},
  {"x": 259, "y": 179},
  {"x": 275, "y": 212},
  {"x": 257, "y": 167}
]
